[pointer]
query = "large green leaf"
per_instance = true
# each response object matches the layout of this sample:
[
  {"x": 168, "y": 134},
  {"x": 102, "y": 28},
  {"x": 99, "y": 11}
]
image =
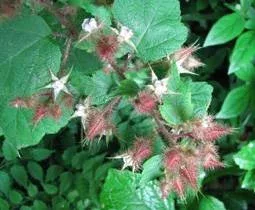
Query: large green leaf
[
  {"x": 225, "y": 29},
  {"x": 235, "y": 103},
  {"x": 244, "y": 53},
  {"x": 245, "y": 158},
  {"x": 25, "y": 65},
  {"x": 211, "y": 203},
  {"x": 122, "y": 191},
  {"x": 156, "y": 25}
]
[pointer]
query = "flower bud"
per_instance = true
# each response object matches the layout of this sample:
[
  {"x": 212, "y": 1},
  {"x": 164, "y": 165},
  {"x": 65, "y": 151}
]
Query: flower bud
[
  {"x": 145, "y": 103},
  {"x": 106, "y": 47}
]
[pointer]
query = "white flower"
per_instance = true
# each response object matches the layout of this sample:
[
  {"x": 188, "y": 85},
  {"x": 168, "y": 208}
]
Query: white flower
[
  {"x": 58, "y": 85},
  {"x": 125, "y": 34},
  {"x": 89, "y": 25},
  {"x": 159, "y": 87},
  {"x": 82, "y": 111}
]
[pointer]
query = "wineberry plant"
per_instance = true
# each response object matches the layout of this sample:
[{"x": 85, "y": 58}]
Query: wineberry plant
[{"x": 109, "y": 105}]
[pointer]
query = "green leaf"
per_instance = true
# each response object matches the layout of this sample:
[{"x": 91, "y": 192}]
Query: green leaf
[
  {"x": 19, "y": 174},
  {"x": 246, "y": 74},
  {"x": 32, "y": 190},
  {"x": 211, "y": 203},
  {"x": 201, "y": 96},
  {"x": 249, "y": 180},
  {"x": 40, "y": 154},
  {"x": 35, "y": 170},
  {"x": 151, "y": 169},
  {"x": 235, "y": 103},
  {"x": 244, "y": 53},
  {"x": 245, "y": 158},
  {"x": 225, "y": 29},
  {"x": 53, "y": 172},
  {"x": 50, "y": 189},
  {"x": 39, "y": 205},
  {"x": 156, "y": 25},
  {"x": 15, "y": 197},
  {"x": 4, "y": 204},
  {"x": 102, "y": 13},
  {"x": 25, "y": 68},
  {"x": 128, "y": 87},
  {"x": 122, "y": 191},
  {"x": 9, "y": 151},
  {"x": 5, "y": 183},
  {"x": 98, "y": 87},
  {"x": 177, "y": 108},
  {"x": 65, "y": 181}
]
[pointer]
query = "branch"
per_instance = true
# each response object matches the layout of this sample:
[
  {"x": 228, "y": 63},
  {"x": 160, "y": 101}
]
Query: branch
[{"x": 48, "y": 5}]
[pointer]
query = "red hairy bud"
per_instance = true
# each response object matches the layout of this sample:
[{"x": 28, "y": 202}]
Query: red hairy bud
[
  {"x": 172, "y": 159},
  {"x": 145, "y": 102},
  {"x": 207, "y": 130},
  {"x": 141, "y": 150},
  {"x": 106, "y": 47},
  {"x": 97, "y": 124}
]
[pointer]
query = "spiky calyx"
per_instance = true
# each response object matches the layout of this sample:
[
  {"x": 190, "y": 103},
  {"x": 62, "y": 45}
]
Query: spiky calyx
[
  {"x": 140, "y": 151},
  {"x": 145, "y": 102}
]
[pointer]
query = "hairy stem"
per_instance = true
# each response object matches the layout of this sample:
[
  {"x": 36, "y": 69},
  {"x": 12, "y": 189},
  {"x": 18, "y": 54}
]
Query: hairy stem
[{"x": 161, "y": 128}]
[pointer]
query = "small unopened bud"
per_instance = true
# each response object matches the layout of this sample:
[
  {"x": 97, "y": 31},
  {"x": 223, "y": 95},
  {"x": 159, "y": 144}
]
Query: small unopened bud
[
  {"x": 145, "y": 102},
  {"x": 89, "y": 25},
  {"x": 106, "y": 47}
]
